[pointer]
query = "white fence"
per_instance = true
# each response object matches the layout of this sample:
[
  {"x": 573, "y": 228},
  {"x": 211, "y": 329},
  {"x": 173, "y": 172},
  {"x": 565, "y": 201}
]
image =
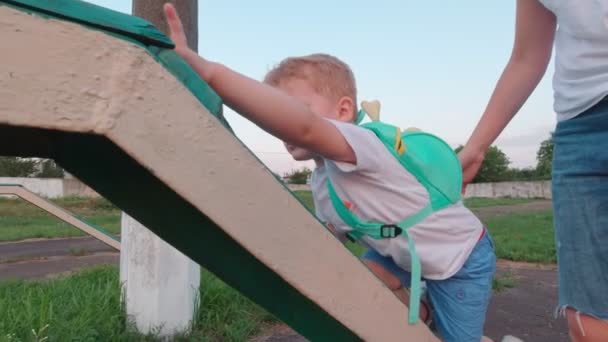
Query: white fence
[
  {"x": 57, "y": 187},
  {"x": 540, "y": 189},
  {"x": 52, "y": 187}
]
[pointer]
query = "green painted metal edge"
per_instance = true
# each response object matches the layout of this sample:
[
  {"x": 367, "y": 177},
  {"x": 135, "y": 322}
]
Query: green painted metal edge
[
  {"x": 97, "y": 228},
  {"x": 190, "y": 79},
  {"x": 99, "y": 17},
  {"x": 134, "y": 30},
  {"x": 116, "y": 176}
]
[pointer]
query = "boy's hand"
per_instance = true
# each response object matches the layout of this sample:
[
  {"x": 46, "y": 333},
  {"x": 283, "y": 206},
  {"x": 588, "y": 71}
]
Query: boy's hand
[
  {"x": 176, "y": 30},
  {"x": 204, "y": 68},
  {"x": 273, "y": 110}
]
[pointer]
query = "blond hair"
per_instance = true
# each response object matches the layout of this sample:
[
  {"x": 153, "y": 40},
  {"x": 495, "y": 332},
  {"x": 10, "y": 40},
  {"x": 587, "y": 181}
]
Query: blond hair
[{"x": 326, "y": 74}]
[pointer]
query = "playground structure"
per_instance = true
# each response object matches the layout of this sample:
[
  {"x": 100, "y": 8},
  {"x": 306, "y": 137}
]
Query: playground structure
[
  {"x": 103, "y": 94},
  {"x": 26, "y": 195}
]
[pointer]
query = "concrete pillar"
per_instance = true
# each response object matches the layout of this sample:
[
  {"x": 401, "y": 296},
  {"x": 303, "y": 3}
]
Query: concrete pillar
[{"x": 160, "y": 284}]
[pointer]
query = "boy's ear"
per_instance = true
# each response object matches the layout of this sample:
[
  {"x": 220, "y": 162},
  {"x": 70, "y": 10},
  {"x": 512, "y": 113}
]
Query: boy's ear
[{"x": 346, "y": 109}]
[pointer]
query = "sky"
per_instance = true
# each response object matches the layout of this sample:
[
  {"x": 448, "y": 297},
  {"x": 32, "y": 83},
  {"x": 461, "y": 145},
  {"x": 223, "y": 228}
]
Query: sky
[{"x": 432, "y": 64}]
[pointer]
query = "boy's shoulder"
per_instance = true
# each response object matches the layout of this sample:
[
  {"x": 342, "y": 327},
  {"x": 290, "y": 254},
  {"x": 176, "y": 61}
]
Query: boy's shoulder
[{"x": 370, "y": 151}]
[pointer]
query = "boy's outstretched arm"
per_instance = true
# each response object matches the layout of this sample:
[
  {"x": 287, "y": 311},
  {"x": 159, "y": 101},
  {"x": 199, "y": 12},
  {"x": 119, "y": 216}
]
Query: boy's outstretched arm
[{"x": 272, "y": 110}]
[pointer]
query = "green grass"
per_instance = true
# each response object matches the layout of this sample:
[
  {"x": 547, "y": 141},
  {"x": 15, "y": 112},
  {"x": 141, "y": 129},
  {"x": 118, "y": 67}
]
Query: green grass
[
  {"x": 475, "y": 202},
  {"x": 306, "y": 198},
  {"x": 518, "y": 237},
  {"x": 503, "y": 282},
  {"x": 524, "y": 237},
  {"x": 86, "y": 307},
  {"x": 227, "y": 315},
  {"x": 21, "y": 220}
]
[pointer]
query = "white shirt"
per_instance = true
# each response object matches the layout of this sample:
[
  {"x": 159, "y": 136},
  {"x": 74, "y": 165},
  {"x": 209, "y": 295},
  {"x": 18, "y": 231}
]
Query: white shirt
[
  {"x": 381, "y": 190},
  {"x": 581, "y": 55}
]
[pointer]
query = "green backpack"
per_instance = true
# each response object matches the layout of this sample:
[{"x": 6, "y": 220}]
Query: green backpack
[{"x": 432, "y": 162}]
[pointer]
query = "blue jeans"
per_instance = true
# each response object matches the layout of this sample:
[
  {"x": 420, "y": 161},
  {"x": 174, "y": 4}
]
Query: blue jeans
[
  {"x": 459, "y": 303},
  {"x": 580, "y": 203}
]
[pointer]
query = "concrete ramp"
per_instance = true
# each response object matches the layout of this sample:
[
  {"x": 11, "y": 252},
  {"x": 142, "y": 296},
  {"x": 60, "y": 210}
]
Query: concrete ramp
[
  {"x": 62, "y": 214},
  {"x": 103, "y": 94}
]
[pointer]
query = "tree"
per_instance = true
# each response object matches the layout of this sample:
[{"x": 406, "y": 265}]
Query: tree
[
  {"x": 298, "y": 176},
  {"x": 544, "y": 158},
  {"x": 17, "y": 167},
  {"x": 49, "y": 169},
  {"x": 495, "y": 166},
  {"x": 29, "y": 167},
  {"x": 525, "y": 174}
]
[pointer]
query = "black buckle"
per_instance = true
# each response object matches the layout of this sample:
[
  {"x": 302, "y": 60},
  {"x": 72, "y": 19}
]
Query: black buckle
[
  {"x": 390, "y": 231},
  {"x": 350, "y": 238}
]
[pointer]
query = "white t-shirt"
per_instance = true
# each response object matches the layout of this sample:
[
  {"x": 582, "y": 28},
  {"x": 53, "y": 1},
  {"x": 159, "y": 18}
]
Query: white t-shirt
[
  {"x": 381, "y": 190},
  {"x": 581, "y": 55}
]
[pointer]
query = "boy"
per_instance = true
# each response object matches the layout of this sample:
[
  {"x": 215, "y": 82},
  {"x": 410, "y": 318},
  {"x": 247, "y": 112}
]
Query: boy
[{"x": 310, "y": 104}]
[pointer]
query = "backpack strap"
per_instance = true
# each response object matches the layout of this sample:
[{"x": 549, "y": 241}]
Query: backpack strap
[{"x": 384, "y": 231}]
